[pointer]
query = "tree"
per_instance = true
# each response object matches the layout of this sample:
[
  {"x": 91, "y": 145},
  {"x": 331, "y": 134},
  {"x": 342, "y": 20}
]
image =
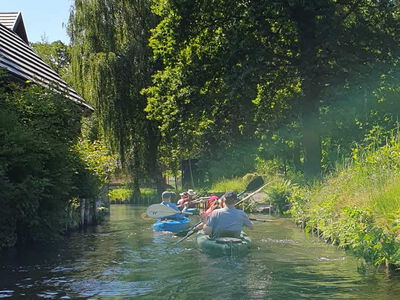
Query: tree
[
  {"x": 56, "y": 55},
  {"x": 266, "y": 61},
  {"x": 112, "y": 63}
]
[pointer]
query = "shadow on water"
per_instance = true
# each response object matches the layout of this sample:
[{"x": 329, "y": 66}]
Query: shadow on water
[{"x": 124, "y": 259}]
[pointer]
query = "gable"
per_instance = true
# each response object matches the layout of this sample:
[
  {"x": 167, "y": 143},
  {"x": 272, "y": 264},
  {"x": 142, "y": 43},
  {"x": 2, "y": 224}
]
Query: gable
[{"x": 18, "y": 58}]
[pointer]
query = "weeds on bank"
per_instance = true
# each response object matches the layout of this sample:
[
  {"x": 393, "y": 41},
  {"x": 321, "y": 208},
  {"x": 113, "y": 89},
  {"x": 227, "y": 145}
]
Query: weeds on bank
[
  {"x": 120, "y": 195},
  {"x": 235, "y": 184},
  {"x": 358, "y": 207}
]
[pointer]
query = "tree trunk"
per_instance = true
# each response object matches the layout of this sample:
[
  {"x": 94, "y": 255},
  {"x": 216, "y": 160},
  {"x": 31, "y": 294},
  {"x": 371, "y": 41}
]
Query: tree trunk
[
  {"x": 311, "y": 143},
  {"x": 155, "y": 169},
  {"x": 136, "y": 195},
  {"x": 304, "y": 17}
]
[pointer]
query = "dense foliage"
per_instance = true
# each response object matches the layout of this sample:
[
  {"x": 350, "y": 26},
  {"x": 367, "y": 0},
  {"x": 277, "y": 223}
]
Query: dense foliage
[
  {"x": 112, "y": 63},
  {"x": 41, "y": 171},
  {"x": 293, "y": 89},
  {"x": 274, "y": 71}
]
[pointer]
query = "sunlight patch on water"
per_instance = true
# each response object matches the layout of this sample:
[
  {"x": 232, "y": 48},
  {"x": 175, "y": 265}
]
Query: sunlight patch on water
[
  {"x": 6, "y": 293},
  {"x": 47, "y": 295},
  {"x": 330, "y": 259},
  {"x": 284, "y": 241}
]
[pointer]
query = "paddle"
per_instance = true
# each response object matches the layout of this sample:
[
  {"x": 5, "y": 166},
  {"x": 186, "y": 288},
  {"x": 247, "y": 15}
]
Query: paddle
[
  {"x": 161, "y": 211},
  {"x": 255, "y": 192},
  {"x": 260, "y": 220},
  {"x": 253, "y": 184}
]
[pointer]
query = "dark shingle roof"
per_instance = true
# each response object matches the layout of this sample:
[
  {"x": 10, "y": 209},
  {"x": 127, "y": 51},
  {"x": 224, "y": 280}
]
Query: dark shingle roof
[
  {"x": 14, "y": 22},
  {"x": 22, "y": 62}
]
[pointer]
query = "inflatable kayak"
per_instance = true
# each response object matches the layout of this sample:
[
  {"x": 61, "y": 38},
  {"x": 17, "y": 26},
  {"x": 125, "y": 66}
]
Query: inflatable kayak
[
  {"x": 171, "y": 225},
  {"x": 223, "y": 246}
]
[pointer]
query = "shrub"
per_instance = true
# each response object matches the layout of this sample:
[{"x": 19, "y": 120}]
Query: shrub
[
  {"x": 120, "y": 194},
  {"x": 40, "y": 172},
  {"x": 279, "y": 194}
]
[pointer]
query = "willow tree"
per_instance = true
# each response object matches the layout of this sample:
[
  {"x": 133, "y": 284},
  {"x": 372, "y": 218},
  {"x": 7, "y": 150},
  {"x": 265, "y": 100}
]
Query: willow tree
[
  {"x": 233, "y": 68},
  {"x": 112, "y": 63}
]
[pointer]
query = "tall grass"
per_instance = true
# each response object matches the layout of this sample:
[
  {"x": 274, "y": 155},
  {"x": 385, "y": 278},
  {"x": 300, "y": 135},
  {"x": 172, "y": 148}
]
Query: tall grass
[
  {"x": 233, "y": 184},
  {"x": 386, "y": 203},
  {"x": 120, "y": 194},
  {"x": 371, "y": 181},
  {"x": 358, "y": 206}
]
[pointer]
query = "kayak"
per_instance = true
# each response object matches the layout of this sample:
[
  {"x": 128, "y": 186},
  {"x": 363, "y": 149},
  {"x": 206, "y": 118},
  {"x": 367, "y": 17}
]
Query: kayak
[
  {"x": 171, "y": 225},
  {"x": 223, "y": 246}
]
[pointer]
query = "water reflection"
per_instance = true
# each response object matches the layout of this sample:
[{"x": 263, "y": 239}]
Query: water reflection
[{"x": 124, "y": 259}]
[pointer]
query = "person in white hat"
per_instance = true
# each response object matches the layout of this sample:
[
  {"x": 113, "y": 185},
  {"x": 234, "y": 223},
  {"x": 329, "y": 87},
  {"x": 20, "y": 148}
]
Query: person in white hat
[{"x": 183, "y": 200}]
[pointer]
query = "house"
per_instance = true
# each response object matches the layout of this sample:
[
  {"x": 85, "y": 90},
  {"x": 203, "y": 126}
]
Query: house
[{"x": 23, "y": 64}]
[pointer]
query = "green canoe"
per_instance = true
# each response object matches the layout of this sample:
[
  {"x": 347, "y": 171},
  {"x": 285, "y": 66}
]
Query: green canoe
[{"x": 223, "y": 246}]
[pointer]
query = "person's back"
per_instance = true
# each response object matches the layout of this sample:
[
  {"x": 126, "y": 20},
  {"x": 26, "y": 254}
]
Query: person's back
[
  {"x": 166, "y": 200},
  {"x": 227, "y": 221}
]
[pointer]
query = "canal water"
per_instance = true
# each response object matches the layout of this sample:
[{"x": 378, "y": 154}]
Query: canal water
[{"x": 124, "y": 259}]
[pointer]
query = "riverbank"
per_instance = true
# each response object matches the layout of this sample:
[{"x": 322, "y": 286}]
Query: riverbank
[{"x": 357, "y": 208}]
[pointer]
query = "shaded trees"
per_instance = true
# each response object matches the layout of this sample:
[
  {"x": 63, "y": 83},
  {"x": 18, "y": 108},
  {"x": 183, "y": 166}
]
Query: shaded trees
[
  {"x": 233, "y": 68},
  {"x": 37, "y": 165},
  {"x": 112, "y": 63}
]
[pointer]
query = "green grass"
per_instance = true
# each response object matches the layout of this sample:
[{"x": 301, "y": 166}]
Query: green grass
[
  {"x": 120, "y": 194},
  {"x": 235, "y": 184},
  {"x": 147, "y": 192},
  {"x": 387, "y": 202},
  {"x": 358, "y": 207},
  {"x": 371, "y": 182}
]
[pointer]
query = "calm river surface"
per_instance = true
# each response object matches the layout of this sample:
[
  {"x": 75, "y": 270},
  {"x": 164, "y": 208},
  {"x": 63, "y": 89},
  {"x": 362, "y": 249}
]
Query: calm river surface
[{"x": 124, "y": 259}]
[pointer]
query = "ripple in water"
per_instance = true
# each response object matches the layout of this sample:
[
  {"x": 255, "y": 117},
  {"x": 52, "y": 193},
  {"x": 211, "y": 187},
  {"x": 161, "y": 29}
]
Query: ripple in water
[
  {"x": 284, "y": 241},
  {"x": 6, "y": 293},
  {"x": 90, "y": 288}
]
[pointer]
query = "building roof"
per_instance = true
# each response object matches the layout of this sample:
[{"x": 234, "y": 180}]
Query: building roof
[
  {"x": 22, "y": 62},
  {"x": 14, "y": 22}
]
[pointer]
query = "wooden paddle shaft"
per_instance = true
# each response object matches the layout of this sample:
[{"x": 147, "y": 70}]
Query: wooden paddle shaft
[{"x": 255, "y": 192}]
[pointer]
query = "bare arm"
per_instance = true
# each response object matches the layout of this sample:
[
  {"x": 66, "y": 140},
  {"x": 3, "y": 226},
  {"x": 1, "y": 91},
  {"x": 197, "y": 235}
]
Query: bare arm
[
  {"x": 203, "y": 218},
  {"x": 248, "y": 223},
  {"x": 207, "y": 229},
  {"x": 250, "y": 226}
]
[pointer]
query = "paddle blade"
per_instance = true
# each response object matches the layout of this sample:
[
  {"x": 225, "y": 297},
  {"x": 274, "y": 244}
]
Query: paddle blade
[
  {"x": 157, "y": 211},
  {"x": 254, "y": 184}
]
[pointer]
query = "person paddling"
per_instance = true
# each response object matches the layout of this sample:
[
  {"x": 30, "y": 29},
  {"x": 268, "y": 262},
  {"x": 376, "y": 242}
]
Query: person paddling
[
  {"x": 184, "y": 199},
  {"x": 166, "y": 200},
  {"x": 227, "y": 221},
  {"x": 212, "y": 204}
]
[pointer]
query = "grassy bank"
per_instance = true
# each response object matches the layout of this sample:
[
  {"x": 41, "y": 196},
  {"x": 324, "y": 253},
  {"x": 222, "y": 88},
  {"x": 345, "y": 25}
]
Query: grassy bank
[
  {"x": 358, "y": 207},
  {"x": 123, "y": 195}
]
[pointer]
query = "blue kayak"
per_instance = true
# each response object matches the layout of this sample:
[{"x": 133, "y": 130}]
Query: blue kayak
[{"x": 171, "y": 225}]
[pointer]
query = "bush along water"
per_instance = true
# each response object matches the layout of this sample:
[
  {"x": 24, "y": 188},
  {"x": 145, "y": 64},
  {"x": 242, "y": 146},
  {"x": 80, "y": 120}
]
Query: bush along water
[
  {"x": 42, "y": 172},
  {"x": 358, "y": 207}
]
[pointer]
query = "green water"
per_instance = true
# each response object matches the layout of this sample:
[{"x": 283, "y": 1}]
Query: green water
[{"x": 124, "y": 259}]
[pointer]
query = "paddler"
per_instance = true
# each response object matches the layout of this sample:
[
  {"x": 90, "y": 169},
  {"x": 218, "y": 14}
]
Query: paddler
[{"x": 228, "y": 221}]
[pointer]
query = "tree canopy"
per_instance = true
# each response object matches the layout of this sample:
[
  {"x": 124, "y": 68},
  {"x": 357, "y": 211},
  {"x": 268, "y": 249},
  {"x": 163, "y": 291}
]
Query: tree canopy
[
  {"x": 293, "y": 81},
  {"x": 235, "y": 68}
]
